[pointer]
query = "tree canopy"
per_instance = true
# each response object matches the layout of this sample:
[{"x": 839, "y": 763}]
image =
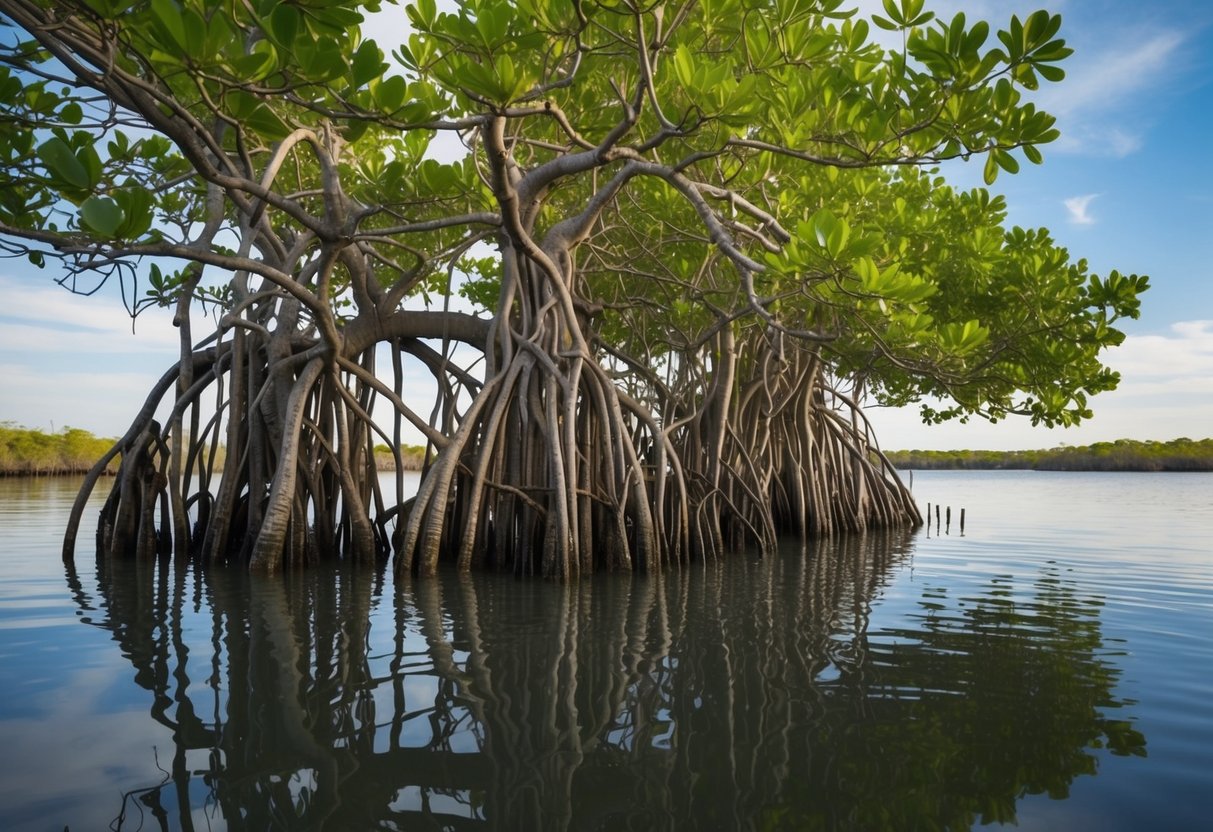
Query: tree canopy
[{"x": 698, "y": 237}]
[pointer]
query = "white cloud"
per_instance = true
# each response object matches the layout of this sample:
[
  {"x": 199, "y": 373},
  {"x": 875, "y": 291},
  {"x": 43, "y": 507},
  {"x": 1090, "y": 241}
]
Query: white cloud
[
  {"x": 1166, "y": 391},
  {"x": 98, "y": 746},
  {"x": 72, "y": 360},
  {"x": 1114, "y": 78},
  {"x": 52, "y": 318},
  {"x": 1177, "y": 363},
  {"x": 1077, "y": 206},
  {"x": 1103, "y": 105}
]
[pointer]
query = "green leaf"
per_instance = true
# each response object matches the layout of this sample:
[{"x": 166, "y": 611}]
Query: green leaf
[
  {"x": 322, "y": 59},
  {"x": 195, "y": 33},
  {"x": 1051, "y": 73},
  {"x": 869, "y": 275},
  {"x": 258, "y": 64},
  {"x": 390, "y": 92},
  {"x": 284, "y": 24},
  {"x": 836, "y": 241},
  {"x": 108, "y": 9},
  {"x": 991, "y": 170},
  {"x": 64, "y": 165},
  {"x": 684, "y": 65},
  {"x": 136, "y": 205},
  {"x": 355, "y": 129},
  {"x": 423, "y": 12},
  {"x": 266, "y": 122},
  {"x": 507, "y": 77},
  {"x": 416, "y": 112},
  {"x": 493, "y": 22},
  {"x": 71, "y": 113},
  {"x": 168, "y": 15},
  {"x": 91, "y": 161},
  {"x": 367, "y": 64},
  {"x": 102, "y": 214}
]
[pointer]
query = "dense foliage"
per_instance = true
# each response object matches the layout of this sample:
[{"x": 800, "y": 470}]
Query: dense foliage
[
  {"x": 718, "y": 230},
  {"x": 410, "y": 457},
  {"x": 70, "y": 451}
]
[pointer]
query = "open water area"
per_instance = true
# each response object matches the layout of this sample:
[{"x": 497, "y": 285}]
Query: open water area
[{"x": 1049, "y": 668}]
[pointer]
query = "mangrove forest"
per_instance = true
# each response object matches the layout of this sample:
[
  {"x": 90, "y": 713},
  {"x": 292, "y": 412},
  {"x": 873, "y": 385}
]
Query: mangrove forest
[{"x": 654, "y": 259}]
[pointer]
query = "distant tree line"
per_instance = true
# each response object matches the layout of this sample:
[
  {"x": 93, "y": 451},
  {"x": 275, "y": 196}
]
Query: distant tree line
[
  {"x": 412, "y": 458},
  {"x": 25, "y": 451},
  {"x": 29, "y": 451},
  {"x": 1122, "y": 455}
]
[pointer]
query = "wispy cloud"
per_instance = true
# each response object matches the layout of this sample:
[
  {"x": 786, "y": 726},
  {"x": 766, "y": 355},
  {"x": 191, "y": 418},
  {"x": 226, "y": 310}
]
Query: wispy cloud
[
  {"x": 1180, "y": 361},
  {"x": 1102, "y": 103},
  {"x": 1077, "y": 206},
  {"x": 53, "y": 311},
  {"x": 1114, "y": 77},
  {"x": 1166, "y": 391}
]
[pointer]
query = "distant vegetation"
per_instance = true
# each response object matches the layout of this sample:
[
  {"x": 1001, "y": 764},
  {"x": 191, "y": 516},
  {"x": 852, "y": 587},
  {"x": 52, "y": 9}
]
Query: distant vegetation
[
  {"x": 70, "y": 451},
  {"x": 412, "y": 457},
  {"x": 73, "y": 451},
  {"x": 25, "y": 451},
  {"x": 1121, "y": 455}
]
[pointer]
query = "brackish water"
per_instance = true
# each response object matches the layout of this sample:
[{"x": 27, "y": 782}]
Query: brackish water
[{"x": 1052, "y": 668}]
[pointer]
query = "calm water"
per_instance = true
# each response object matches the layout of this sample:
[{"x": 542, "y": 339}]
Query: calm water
[{"x": 1051, "y": 668}]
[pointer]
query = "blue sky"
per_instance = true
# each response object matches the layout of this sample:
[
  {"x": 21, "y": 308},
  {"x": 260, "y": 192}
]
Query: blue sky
[{"x": 1129, "y": 186}]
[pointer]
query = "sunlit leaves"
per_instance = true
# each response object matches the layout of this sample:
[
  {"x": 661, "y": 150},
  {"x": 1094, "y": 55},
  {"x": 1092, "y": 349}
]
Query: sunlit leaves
[
  {"x": 1119, "y": 293},
  {"x": 1033, "y": 46},
  {"x": 486, "y": 50},
  {"x": 790, "y": 120},
  {"x": 716, "y": 88},
  {"x": 257, "y": 65},
  {"x": 962, "y": 337},
  {"x": 902, "y": 14}
]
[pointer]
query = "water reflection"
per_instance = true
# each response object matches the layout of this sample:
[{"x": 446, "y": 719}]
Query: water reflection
[{"x": 745, "y": 694}]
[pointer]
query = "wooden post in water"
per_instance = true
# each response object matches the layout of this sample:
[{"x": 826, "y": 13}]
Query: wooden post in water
[
  {"x": 948, "y": 527},
  {"x": 962, "y": 521}
]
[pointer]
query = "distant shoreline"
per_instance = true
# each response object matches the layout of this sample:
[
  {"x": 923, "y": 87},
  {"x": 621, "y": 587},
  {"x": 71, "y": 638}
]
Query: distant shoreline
[
  {"x": 29, "y": 452},
  {"x": 1122, "y": 455}
]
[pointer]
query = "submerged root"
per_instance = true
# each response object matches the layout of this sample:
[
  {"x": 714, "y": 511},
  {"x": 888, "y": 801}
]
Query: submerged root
[
  {"x": 550, "y": 467},
  {"x": 543, "y": 477}
]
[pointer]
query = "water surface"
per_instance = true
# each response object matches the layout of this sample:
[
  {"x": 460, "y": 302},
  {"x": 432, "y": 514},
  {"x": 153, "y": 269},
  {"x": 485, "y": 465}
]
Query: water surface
[{"x": 1049, "y": 668}]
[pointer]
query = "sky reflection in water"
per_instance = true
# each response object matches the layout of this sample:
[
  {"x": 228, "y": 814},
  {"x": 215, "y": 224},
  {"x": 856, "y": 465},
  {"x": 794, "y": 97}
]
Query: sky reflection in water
[{"x": 890, "y": 681}]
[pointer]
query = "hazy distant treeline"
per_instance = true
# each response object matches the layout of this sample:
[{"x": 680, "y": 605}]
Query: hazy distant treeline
[
  {"x": 25, "y": 451},
  {"x": 73, "y": 451},
  {"x": 70, "y": 451},
  {"x": 1121, "y": 455},
  {"x": 412, "y": 457}
]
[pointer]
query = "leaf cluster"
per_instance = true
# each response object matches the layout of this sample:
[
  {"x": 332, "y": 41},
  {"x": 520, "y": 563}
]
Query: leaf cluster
[{"x": 757, "y": 164}]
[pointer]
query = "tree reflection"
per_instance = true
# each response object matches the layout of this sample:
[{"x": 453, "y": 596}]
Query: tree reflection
[{"x": 737, "y": 695}]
